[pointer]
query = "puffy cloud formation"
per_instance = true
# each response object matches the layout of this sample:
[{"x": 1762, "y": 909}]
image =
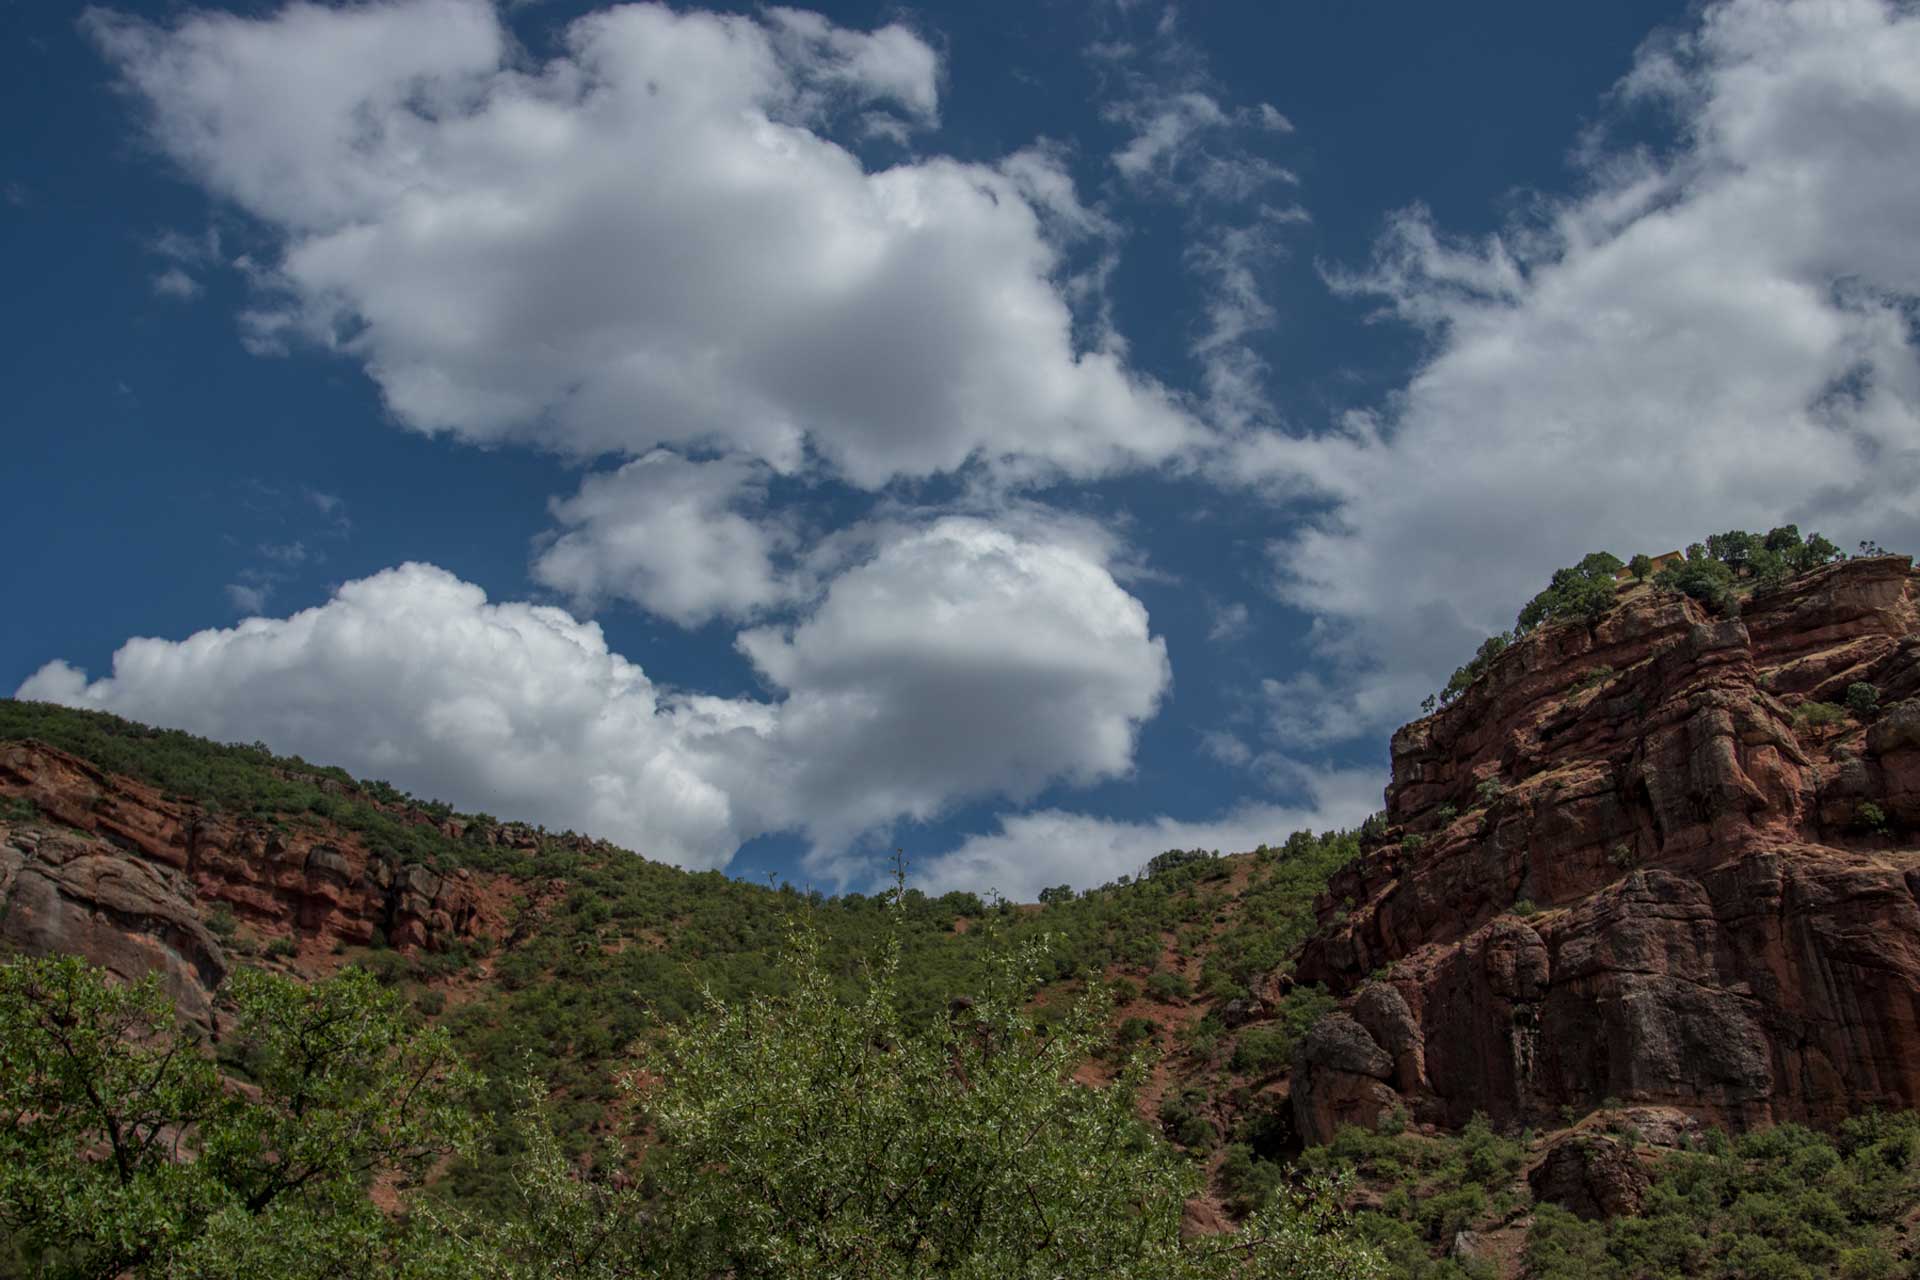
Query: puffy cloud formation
[
  {"x": 651, "y": 240},
  {"x": 1720, "y": 336},
  {"x": 1050, "y": 846},
  {"x": 684, "y": 539},
  {"x": 413, "y": 676},
  {"x": 961, "y": 660}
]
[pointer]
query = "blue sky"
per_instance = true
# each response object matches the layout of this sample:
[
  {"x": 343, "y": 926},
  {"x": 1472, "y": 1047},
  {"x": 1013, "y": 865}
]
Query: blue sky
[{"x": 1030, "y": 434}]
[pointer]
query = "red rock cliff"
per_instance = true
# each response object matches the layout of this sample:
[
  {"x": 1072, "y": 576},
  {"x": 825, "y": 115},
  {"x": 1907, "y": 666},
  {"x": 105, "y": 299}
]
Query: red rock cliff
[
  {"x": 1626, "y": 864},
  {"x": 128, "y": 877}
]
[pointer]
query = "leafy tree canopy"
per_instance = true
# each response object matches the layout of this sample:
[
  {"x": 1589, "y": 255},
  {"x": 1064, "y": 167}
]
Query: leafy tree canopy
[
  {"x": 123, "y": 1150},
  {"x": 1582, "y": 592},
  {"x": 798, "y": 1135}
]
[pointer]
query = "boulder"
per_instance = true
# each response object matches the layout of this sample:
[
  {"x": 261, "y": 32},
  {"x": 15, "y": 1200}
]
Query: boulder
[
  {"x": 1591, "y": 1176},
  {"x": 60, "y": 895}
]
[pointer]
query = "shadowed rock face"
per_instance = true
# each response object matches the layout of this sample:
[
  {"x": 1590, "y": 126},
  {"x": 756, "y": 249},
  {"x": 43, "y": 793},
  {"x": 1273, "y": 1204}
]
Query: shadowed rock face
[
  {"x": 127, "y": 876},
  {"x": 1592, "y": 1176},
  {"x": 77, "y": 896},
  {"x": 1620, "y": 867}
]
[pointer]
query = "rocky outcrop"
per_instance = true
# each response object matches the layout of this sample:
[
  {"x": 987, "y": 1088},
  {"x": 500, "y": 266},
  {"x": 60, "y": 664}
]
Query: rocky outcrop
[
  {"x": 1592, "y": 1176},
  {"x": 78, "y": 896},
  {"x": 1627, "y": 864},
  {"x": 127, "y": 876},
  {"x": 1349, "y": 1071}
]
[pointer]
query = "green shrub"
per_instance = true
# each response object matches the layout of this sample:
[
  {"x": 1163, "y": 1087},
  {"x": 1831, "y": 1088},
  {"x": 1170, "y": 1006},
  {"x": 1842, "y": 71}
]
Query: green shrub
[
  {"x": 1592, "y": 678},
  {"x": 1703, "y": 578},
  {"x": 1482, "y": 662},
  {"x": 1583, "y": 593},
  {"x": 1862, "y": 699},
  {"x": 1818, "y": 715},
  {"x": 1785, "y": 1201},
  {"x": 1181, "y": 1121},
  {"x": 1262, "y": 1050},
  {"x": 1246, "y": 1181},
  {"x": 1168, "y": 987},
  {"x": 1202, "y": 1039},
  {"x": 389, "y": 968},
  {"x": 963, "y": 1148},
  {"x": 1444, "y": 1213}
]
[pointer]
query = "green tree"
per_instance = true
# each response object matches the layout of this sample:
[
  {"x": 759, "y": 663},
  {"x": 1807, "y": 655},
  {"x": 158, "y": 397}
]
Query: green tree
[
  {"x": 1863, "y": 699},
  {"x": 1814, "y": 552},
  {"x": 1582, "y": 593},
  {"x": 1483, "y": 659},
  {"x": 806, "y": 1136},
  {"x": 1641, "y": 565},
  {"x": 1701, "y": 577},
  {"x": 122, "y": 1149},
  {"x": 1733, "y": 548}
]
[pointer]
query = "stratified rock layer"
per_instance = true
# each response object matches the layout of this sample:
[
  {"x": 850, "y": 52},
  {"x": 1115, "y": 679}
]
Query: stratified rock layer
[
  {"x": 1626, "y": 864},
  {"x": 128, "y": 877}
]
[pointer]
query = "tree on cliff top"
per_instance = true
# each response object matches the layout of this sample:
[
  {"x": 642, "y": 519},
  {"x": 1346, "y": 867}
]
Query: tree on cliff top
[
  {"x": 1582, "y": 592},
  {"x": 1586, "y": 591}
]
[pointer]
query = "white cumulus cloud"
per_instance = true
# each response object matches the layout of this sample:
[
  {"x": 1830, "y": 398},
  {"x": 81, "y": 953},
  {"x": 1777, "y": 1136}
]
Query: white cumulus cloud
[
  {"x": 649, "y": 240},
  {"x": 687, "y": 540},
  {"x": 960, "y": 660},
  {"x": 412, "y": 675}
]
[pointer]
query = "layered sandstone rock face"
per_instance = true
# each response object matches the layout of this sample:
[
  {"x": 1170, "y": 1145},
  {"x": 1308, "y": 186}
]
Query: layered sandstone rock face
[
  {"x": 1621, "y": 866},
  {"x": 128, "y": 877}
]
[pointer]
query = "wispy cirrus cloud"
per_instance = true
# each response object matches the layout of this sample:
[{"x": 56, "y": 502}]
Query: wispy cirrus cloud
[{"x": 1186, "y": 146}]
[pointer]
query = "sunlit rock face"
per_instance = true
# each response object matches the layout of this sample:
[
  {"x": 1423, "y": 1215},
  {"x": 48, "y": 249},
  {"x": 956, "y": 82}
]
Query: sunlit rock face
[{"x": 1635, "y": 862}]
